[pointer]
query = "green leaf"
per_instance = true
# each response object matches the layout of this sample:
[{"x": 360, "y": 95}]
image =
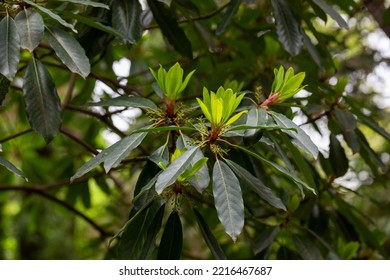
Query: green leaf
[
  {"x": 302, "y": 140},
  {"x": 228, "y": 199},
  {"x": 306, "y": 248},
  {"x": 175, "y": 169},
  {"x": 11, "y": 167},
  {"x": 330, "y": 11},
  {"x": 256, "y": 117},
  {"x": 9, "y": 47},
  {"x": 30, "y": 27},
  {"x": 87, "y": 3},
  {"x": 4, "y": 87},
  {"x": 51, "y": 15},
  {"x": 69, "y": 50},
  {"x": 287, "y": 27},
  {"x": 369, "y": 155},
  {"x": 172, "y": 239},
  {"x": 150, "y": 240},
  {"x": 170, "y": 28},
  {"x": 227, "y": 17},
  {"x": 347, "y": 123},
  {"x": 209, "y": 237},
  {"x": 134, "y": 236},
  {"x": 337, "y": 157},
  {"x": 281, "y": 169},
  {"x": 126, "y": 18},
  {"x": 122, "y": 149},
  {"x": 265, "y": 238},
  {"x": 42, "y": 102},
  {"x": 126, "y": 101},
  {"x": 256, "y": 185}
]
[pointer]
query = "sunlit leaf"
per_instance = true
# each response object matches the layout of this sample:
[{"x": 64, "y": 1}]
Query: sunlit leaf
[
  {"x": 30, "y": 27},
  {"x": 172, "y": 239},
  {"x": 42, "y": 102},
  {"x": 228, "y": 199},
  {"x": 68, "y": 49},
  {"x": 9, "y": 47}
]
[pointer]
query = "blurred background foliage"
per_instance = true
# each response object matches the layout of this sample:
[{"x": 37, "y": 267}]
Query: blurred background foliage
[{"x": 345, "y": 108}]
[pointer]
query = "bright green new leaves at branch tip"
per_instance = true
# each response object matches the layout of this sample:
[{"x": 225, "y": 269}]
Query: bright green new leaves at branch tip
[{"x": 171, "y": 83}]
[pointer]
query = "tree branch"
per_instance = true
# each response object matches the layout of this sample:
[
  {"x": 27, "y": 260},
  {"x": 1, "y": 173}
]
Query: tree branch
[{"x": 15, "y": 135}]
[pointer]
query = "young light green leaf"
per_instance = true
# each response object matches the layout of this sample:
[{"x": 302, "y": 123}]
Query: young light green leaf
[
  {"x": 126, "y": 101},
  {"x": 30, "y": 26},
  {"x": 51, "y": 14},
  {"x": 172, "y": 239},
  {"x": 287, "y": 27},
  {"x": 301, "y": 138},
  {"x": 228, "y": 199},
  {"x": 9, "y": 47},
  {"x": 42, "y": 102},
  {"x": 87, "y": 3},
  {"x": 11, "y": 167},
  {"x": 174, "y": 170},
  {"x": 256, "y": 185},
  {"x": 4, "y": 87},
  {"x": 126, "y": 18},
  {"x": 330, "y": 11},
  {"x": 69, "y": 50},
  {"x": 210, "y": 239},
  {"x": 122, "y": 149},
  {"x": 227, "y": 17}
]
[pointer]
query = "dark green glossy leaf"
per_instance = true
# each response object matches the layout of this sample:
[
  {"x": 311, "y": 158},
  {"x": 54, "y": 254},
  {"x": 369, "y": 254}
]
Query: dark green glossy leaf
[
  {"x": 311, "y": 48},
  {"x": 265, "y": 238},
  {"x": 87, "y": 3},
  {"x": 287, "y": 27},
  {"x": 49, "y": 13},
  {"x": 256, "y": 185},
  {"x": 330, "y": 11},
  {"x": 281, "y": 169},
  {"x": 126, "y": 101},
  {"x": 369, "y": 155},
  {"x": 153, "y": 229},
  {"x": 174, "y": 170},
  {"x": 11, "y": 167},
  {"x": 227, "y": 17},
  {"x": 170, "y": 28},
  {"x": 126, "y": 18},
  {"x": 4, "y": 87},
  {"x": 337, "y": 157},
  {"x": 306, "y": 248},
  {"x": 228, "y": 199},
  {"x": 30, "y": 27},
  {"x": 9, "y": 47},
  {"x": 256, "y": 117},
  {"x": 69, "y": 50},
  {"x": 209, "y": 237},
  {"x": 371, "y": 123},
  {"x": 347, "y": 123},
  {"x": 135, "y": 234},
  {"x": 42, "y": 102},
  {"x": 172, "y": 239},
  {"x": 160, "y": 155},
  {"x": 302, "y": 140}
]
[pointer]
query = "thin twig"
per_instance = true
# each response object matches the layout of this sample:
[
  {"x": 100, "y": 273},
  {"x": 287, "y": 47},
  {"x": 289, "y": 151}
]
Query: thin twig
[
  {"x": 68, "y": 133},
  {"x": 15, "y": 135}
]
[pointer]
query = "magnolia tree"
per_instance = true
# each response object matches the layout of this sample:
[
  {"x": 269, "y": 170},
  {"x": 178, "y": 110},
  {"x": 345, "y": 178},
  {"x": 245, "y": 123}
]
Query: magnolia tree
[{"x": 210, "y": 146}]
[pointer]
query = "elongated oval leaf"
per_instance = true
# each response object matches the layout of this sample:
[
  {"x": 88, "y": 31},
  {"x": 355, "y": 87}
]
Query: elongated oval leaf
[
  {"x": 30, "y": 27},
  {"x": 228, "y": 16},
  {"x": 170, "y": 28},
  {"x": 174, "y": 170},
  {"x": 302, "y": 140},
  {"x": 208, "y": 236},
  {"x": 126, "y": 18},
  {"x": 306, "y": 248},
  {"x": 287, "y": 27},
  {"x": 42, "y": 102},
  {"x": 256, "y": 185},
  {"x": 122, "y": 149},
  {"x": 9, "y": 47},
  {"x": 330, "y": 11},
  {"x": 126, "y": 101},
  {"x": 51, "y": 14},
  {"x": 11, "y": 167},
  {"x": 256, "y": 117},
  {"x": 87, "y": 3},
  {"x": 337, "y": 157},
  {"x": 228, "y": 199},
  {"x": 4, "y": 87},
  {"x": 69, "y": 50},
  {"x": 172, "y": 239}
]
